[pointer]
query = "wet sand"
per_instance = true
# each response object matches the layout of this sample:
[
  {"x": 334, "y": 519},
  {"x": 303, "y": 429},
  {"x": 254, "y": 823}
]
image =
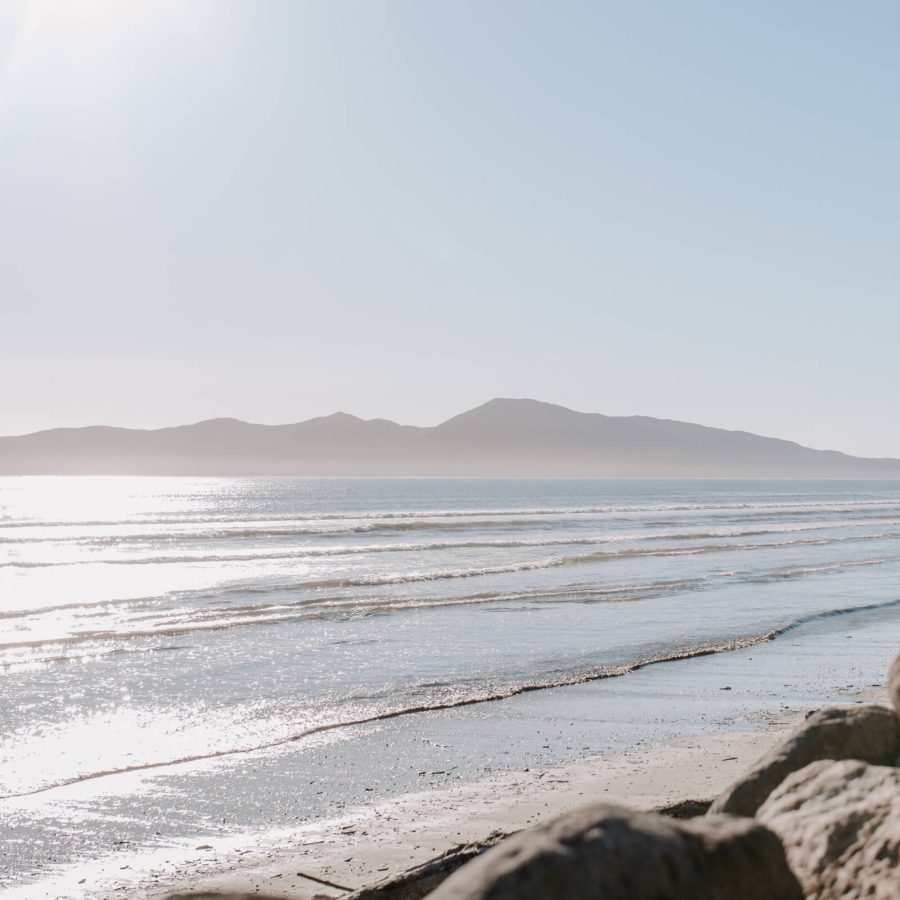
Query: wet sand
[
  {"x": 742, "y": 704},
  {"x": 417, "y": 788},
  {"x": 368, "y": 845}
]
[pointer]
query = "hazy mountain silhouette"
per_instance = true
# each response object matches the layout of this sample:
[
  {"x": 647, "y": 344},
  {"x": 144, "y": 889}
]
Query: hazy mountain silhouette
[{"x": 502, "y": 437}]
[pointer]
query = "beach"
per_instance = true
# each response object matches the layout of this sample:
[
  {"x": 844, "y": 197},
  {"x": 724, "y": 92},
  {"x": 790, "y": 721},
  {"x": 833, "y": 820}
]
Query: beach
[
  {"x": 371, "y": 845},
  {"x": 701, "y": 735},
  {"x": 293, "y": 696}
]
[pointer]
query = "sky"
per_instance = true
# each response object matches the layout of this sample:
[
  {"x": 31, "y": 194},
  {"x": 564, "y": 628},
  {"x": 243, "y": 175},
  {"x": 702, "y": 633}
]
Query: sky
[{"x": 403, "y": 208}]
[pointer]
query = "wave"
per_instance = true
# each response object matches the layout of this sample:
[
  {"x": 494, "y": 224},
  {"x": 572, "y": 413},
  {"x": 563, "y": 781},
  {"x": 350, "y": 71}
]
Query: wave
[
  {"x": 226, "y": 618},
  {"x": 487, "y": 695},
  {"x": 326, "y": 603},
  {"x": 94, "y": 654},
  {"x": 242, "y": 533},
  {"x": 347, "y": 531},
  {"x": 556, "y": 562},
  {"x": 392, "y": 515},
  {"x": 595, "y": 556},
  {"x": 433, "y": 546},
  {"x": 356, "y": 607}
]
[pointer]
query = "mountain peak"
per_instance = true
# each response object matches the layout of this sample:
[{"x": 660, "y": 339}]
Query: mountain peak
[
  {"x": 508, "y": 412},
  {"x": 224, "y": 423}
]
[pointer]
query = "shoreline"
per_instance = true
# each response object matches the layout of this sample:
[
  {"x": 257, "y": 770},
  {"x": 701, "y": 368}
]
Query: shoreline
[
  {"x": 371, "y": 844},
  {"x": 702, "y": 725}
]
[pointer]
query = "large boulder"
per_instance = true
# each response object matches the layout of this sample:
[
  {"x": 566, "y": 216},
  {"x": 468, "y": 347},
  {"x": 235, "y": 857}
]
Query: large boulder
[
  {"x": 610, "y": 853},
  {"x": 868, "y": 733},
  {"x": 840, "y": 826}
]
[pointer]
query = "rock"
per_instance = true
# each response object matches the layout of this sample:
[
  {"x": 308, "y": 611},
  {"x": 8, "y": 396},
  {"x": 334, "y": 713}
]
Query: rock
[
  {"x": 893, "y": 685},
  {"x": 684, "y": 809},
  {"x": 868, "y": 733},
  {"x": 840, "y": 826},
  {"x": 610, "y": 853}
]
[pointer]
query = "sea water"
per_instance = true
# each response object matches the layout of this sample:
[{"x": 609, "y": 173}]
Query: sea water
[{"x": 186, "y": 656}]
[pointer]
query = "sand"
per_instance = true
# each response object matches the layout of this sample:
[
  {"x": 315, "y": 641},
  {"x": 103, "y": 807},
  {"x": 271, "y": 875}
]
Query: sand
[
  {"x": 370, "y": 844},
  {"x": 702, "y": 723}
]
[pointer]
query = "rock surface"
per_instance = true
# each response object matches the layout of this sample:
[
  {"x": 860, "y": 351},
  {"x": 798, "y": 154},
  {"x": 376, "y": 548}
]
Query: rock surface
[
  {"x": 610, "y": 853},
  {"x": 893, "y": 684},
  {"x": 868, "y": 733},
  {"x": 840, "y": 826}
]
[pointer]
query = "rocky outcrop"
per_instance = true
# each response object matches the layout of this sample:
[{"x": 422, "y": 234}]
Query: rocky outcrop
[
  {"x": 840, "y": 826},
  {"x": 867, "y": 733},
  {"x": 610, "y": 853}
]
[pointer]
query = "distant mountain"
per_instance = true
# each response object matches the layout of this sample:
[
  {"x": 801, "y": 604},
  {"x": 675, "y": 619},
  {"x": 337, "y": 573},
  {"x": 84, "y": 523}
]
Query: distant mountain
[{"x": 501, "y": 438}]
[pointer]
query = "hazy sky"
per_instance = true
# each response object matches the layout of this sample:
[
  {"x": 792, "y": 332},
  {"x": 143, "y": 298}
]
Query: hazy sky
[{"x": 274, "y": 210}]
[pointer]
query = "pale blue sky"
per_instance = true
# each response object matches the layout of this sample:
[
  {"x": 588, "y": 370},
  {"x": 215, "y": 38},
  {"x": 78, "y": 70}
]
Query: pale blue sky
[{"x": 402, "y": 208}]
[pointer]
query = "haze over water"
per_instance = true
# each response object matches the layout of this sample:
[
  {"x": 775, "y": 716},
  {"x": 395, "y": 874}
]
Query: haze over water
[{"x": 177, "y": 653}]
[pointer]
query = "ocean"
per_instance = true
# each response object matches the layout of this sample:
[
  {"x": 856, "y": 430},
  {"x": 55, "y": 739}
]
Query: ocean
[{"x": 186, "y": 657}]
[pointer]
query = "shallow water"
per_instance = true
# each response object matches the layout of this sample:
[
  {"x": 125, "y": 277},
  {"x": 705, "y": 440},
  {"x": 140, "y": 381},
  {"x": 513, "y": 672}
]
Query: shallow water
[{"x": 213, "y": 640}]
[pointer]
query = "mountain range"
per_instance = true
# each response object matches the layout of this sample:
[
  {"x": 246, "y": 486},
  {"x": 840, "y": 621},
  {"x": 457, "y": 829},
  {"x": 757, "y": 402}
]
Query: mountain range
[{"x": 501, "y": 438}]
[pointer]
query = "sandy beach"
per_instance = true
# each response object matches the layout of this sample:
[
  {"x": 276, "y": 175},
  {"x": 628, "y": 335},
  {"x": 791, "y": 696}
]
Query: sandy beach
[
  {"x": 368, "y": 845},
  {"x": 738, "y": 706}
]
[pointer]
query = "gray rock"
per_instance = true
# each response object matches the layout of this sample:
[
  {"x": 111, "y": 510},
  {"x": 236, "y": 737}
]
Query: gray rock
[
  {"x": 840, "y": 825},
  {"x": 868, "y": 733},
  {"x": 610, "y": 853},
  {"x": 893, "y": 685}
]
